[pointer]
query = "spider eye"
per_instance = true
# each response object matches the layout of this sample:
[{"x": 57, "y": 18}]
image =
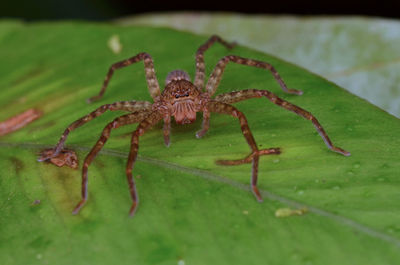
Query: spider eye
[
  {"x": 187, "y": 94},
  {"x": 176, "y": 95}
]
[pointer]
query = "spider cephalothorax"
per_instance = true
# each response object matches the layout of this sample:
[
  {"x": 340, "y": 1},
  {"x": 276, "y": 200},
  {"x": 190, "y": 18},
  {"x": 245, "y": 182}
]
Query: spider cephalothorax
[{"x": 182, "y": 99}]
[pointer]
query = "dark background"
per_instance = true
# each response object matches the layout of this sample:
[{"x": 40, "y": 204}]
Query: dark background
[{"x": 109, "y": 9}]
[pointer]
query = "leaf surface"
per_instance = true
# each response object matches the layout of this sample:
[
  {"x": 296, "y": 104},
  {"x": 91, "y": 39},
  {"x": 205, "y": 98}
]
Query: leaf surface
[{"x": 191, "y": 210}]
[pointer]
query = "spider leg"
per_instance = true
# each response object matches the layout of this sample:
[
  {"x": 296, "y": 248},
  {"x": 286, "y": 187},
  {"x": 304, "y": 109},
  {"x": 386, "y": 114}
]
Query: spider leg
[
  {"x": 200, "y": 66},
  {"x": 167, "y": 130},
  {"x": 220, "y": 107},
  {"x": 205, "y": 124},
  {"x": 233, "y": 97},
  {"x": 254, "y": 174},
  {"x": 118, "y": 122},
  {"x": 249, "y": 158},
  {"x": 144, "y": 125},
  {"x": 131, "y": 106},
  {"x": 218, "y": 71},
  {"x": 151, "y": 78}
]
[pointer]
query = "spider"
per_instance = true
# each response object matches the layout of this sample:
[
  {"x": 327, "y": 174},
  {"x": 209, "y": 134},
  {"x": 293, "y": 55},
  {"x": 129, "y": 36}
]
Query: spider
[{"x": 182, "y": 99}]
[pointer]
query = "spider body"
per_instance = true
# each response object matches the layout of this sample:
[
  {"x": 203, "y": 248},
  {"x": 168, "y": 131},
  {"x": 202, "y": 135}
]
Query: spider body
[{"x": 182, "y": 99}]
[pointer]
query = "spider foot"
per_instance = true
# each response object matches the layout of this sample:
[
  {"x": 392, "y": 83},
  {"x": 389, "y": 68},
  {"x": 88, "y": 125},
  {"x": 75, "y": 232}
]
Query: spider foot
[
  {"x": 167, "y": 141},
  {"x": 340, "y": 151},
  {"x": 200, "y": 133},
  {"x": 92, "y": 99},
  {"x": 269, "y": 151},
  {"x": 78, "y": 207},
  {"x": 133, "y": 209},
  {"x": 46, "y": 154},
  {"x": 249, "y": 158},
  {"x": 256, "y": 193},
  {"x": 294, "y": 91}
]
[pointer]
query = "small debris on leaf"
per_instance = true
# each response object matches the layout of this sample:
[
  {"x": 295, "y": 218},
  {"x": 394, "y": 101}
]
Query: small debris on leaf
[
  {"x": 286, "y": 212},
  {"x": 36, "y": 202},
  {"x": 19, "y": 121},
  {"x": 114, "y": 44},
  {"x": 65, "y": 158}
]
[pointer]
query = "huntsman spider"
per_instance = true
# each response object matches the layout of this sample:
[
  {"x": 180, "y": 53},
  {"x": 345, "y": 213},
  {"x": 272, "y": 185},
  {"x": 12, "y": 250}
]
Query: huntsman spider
[{"x": 182, "y": 99}]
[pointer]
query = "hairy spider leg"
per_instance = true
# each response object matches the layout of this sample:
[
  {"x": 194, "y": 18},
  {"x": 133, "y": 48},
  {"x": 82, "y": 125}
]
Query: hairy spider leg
[
  {"x": 167, "y": 130},
  {"x": 118, "y": 122},
  {"x": 254, "y": 176},
  {"x": 152, "y": 82},
  {"x": 219, "y": 69},
  {"x": 152, "y": 119},
  {"x": 220, "y": 107},
  {"x": 249, "y": 158},
  {"x": 200, "y": 65},
  {"x": 236, "y": 96},
  {"x": 205, "y": 125},
  {"x": 131, "y": 106}
]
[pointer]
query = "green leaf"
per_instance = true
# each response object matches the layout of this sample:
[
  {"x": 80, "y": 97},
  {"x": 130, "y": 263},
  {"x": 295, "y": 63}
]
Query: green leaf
[{"x": 191, "y": 211}]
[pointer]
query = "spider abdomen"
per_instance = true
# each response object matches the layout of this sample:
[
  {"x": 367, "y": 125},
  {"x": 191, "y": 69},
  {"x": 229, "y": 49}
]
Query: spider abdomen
[{"x": 177, "y": 75}]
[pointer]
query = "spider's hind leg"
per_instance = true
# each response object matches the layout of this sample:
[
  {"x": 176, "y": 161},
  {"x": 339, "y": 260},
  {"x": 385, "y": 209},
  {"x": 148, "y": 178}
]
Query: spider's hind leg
[
  {"x": 143, "y": 126},
  {"x": 254, "y": 159},
  {"x": 220, "y": 107},
  {"x": 237, "y": 96},
  {"x": 118, "y": 122}
]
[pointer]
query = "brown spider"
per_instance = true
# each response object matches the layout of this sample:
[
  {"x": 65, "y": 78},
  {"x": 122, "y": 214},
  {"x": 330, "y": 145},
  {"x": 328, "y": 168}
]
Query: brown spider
[{"x": 183, "y": 99}]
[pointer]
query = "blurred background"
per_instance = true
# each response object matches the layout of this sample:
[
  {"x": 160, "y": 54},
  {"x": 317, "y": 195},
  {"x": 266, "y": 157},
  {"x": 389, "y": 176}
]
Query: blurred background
[
  {"x": 355, "y": 44},
  {"x": 109, "y": 9}
]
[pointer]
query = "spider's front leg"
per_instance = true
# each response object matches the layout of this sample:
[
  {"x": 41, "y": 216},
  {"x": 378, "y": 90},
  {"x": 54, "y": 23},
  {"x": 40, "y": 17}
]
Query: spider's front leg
[
  {"x": 219, "y": 107},
  {"x": 146, "y": 124},
  {"x": 131, "y": 106},
  {"x": 118, "y": 122},
  {"x": 151, "y": 78}
]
